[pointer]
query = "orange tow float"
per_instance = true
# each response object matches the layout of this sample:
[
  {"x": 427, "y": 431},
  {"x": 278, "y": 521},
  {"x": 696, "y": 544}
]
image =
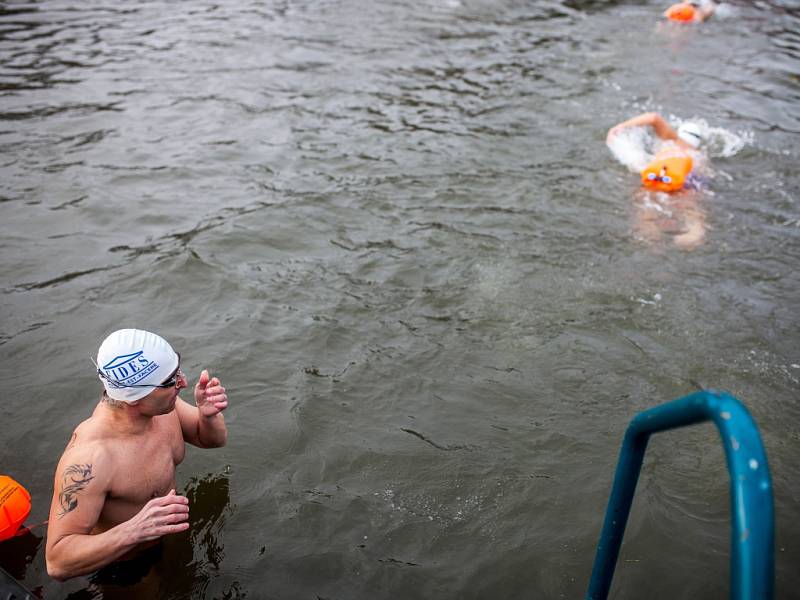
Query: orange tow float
[
  {"x": 667, "y": 174},
  {"x": 15, "y": 506},
  {"x": 682, "y": 12}
]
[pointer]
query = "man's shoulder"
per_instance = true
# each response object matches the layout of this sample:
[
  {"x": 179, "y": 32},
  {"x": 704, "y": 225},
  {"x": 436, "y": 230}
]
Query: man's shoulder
[
  {"x": 88, "y": 435},
  {"x": 82, "y": 448},
  {"x": 82, "y": 462},
  {"x": 91, "y": 440}
]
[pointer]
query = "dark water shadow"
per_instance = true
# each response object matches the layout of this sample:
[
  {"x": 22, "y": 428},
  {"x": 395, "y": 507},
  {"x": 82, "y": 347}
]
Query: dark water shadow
[
  {"x": 184, "y": 565},
  {"x": 17, "y": 553}
]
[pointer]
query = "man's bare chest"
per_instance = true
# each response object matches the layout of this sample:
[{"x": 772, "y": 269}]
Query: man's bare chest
[{"x": 145, "y": 467}]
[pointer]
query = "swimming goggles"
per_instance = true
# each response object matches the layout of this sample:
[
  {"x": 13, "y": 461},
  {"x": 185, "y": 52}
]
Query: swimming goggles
[{"x": 171, "y": 381}]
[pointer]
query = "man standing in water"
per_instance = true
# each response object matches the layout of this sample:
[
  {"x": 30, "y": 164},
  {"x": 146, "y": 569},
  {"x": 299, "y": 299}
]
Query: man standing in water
[{"x": 114, "y": 491}]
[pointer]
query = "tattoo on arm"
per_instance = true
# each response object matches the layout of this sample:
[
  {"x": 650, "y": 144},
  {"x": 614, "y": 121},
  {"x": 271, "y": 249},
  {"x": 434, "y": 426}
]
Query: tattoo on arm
[{"x": 75, "y": 478}]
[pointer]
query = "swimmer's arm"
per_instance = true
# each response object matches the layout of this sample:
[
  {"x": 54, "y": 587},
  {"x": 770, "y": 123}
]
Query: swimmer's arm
[
  {"x": 81, "y": 484},
  {"x": 649, "y": 119},
  {"x": 203, "y": 425}
]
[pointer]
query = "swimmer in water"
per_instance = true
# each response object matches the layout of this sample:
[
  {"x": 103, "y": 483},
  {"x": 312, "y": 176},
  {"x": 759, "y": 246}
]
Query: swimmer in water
[
  {"x": 682, "y": 146},
  {"x": 678, "y": 165},
  {"x": 690, "y": 12}
]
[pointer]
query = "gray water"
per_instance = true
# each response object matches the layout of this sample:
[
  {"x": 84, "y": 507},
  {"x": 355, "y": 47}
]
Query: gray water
[{"x": 395, "y": 232}]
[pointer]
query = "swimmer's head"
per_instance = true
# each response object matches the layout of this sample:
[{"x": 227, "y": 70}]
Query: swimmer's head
[
  {"x": 691, "y": 134},
  {"x": 131, "y": 363},
  {"x": 684, "y": 12}
]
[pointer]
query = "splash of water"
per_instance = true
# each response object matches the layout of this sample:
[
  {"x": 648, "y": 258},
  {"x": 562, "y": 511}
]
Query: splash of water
[
  {"x": 633, "y": 147},
  {"x": 725, "y": 11},
  {"x": 721, "y": 143}
]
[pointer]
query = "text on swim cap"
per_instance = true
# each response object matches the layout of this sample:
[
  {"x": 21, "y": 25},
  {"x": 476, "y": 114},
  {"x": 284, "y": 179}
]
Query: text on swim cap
[{"x": 128, "y": 369}]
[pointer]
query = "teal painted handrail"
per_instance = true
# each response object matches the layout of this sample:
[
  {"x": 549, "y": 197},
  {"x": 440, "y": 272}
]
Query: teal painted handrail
[{"x": 752, "y": 537}]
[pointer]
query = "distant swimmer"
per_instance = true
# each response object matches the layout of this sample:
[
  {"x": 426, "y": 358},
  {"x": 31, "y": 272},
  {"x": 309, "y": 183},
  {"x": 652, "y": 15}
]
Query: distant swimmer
[
  {"x": 676, "y": 167},
  {"x": 115, "y": 483},
  {"x": 690, "y": 12}
]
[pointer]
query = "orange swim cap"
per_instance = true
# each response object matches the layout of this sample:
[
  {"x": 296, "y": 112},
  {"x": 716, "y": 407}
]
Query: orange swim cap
[
  {"x": 683, "y": 12},
  {"x": 15, "y": 505}
]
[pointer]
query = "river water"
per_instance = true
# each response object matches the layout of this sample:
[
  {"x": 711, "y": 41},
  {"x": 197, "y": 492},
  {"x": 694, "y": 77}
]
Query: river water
[{"x": 394, "y": 230}]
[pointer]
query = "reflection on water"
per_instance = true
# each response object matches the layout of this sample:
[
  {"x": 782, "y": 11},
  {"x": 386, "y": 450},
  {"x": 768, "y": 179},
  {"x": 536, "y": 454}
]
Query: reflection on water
[
  {"x": 186, "y": 561},
  {"x": 395, "y": 231},
  {"x": 680, "y": 218},
  {"x": 209, "y": 499},
  {"x": 17, "y": 553}
]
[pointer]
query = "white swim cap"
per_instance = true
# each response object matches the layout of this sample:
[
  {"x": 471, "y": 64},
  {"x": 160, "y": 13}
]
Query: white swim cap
[
  {"x": 131, "y": 362},
  {"x": 691, "y": 134}
]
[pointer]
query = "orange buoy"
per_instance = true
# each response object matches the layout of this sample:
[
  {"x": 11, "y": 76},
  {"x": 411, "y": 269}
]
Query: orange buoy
[
  {"x": 667, "y": 174},
  {"x": 15, "y": 505},
  {"x": 683, "y": 12}
]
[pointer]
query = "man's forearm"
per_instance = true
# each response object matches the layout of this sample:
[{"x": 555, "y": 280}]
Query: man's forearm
[
  {"x": 80, "y": 554},
  {"x": 211, "y": 431}
]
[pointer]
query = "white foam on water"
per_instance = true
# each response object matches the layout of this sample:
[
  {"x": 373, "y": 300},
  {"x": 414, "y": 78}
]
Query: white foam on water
[
  {"x": 718, "y": 142},
  {"x": 725, "y": 11},
  {"x": 633, "y": 146},
  {"x": 630, "y": 147}
]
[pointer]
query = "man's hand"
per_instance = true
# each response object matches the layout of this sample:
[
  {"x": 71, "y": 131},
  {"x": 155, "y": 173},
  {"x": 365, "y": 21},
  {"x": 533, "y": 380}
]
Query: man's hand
[
  {"x": 209, "y": 395},
  {"x": 204, "y": 426},
  {"x": 160, "y": 516}
]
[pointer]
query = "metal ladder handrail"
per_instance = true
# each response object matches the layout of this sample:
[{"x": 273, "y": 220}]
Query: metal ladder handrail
[{"x": 752, "y": 537}]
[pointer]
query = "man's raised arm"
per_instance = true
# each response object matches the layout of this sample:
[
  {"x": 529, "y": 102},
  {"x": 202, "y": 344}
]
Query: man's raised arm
[
  {"x": 204, "y": 426},
  {"x": 648, "y": 119}
]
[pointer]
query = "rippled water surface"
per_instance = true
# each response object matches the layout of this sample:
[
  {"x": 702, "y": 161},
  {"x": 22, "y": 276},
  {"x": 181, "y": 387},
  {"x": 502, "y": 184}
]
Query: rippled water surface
[{"x": 395, "y": 231}]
